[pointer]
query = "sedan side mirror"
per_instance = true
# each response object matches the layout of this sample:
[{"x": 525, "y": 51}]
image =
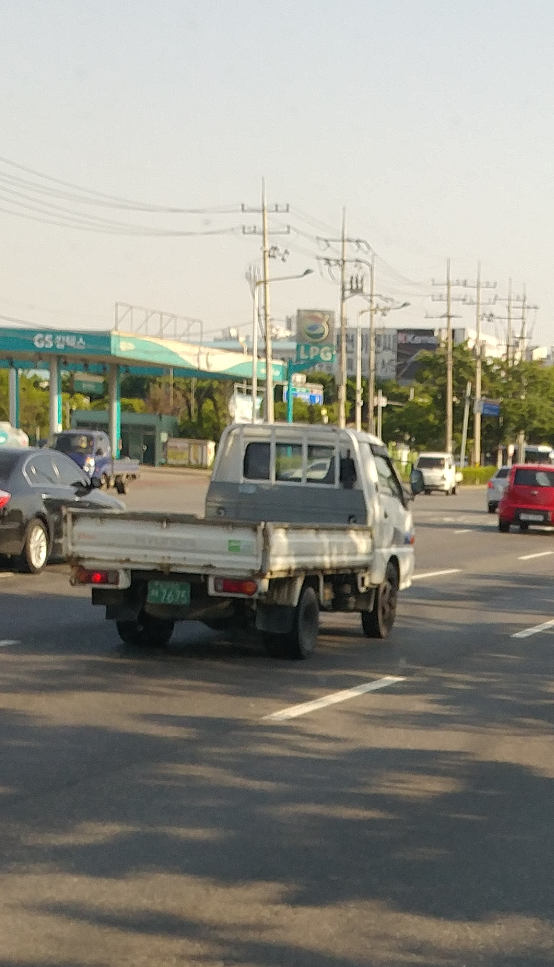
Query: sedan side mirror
[{"x": 417, "y": 484}]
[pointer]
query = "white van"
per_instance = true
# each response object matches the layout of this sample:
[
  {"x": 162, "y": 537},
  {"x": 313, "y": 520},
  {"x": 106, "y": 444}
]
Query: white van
[{"x": 439, "y": 472}]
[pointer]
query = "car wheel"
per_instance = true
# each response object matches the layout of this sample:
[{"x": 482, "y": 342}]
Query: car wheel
[
  {"x": 34, "y": 556},
  {"x": 378, "y": 622},
  {"x": 301, "y": 641},
  {"x": 523, "y": 527},
  {"x": 503, "y": 526},
  {"x": 146, "y": 631},
  {"x": 426, "y": 492},
  {"x": 454, "y": 491},
  {"x": 491, "y": 508},
  {"x": 121, "y": 485},
  {"x": 105, "y": 481}
]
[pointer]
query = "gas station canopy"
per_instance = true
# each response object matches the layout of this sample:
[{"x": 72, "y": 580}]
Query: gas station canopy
[{"x": 115, "y": 352}]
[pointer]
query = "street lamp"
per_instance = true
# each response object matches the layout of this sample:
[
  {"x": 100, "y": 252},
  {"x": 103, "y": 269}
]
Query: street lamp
[{"x": 269, "y": 406}]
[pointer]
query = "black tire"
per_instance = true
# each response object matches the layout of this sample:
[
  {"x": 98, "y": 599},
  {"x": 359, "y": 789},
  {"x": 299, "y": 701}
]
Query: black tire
[
  {"x": 299, "y": 643},
  {"x": 503, "y": 525},
  {"x": 36, "y": 548},
  {"x": 121, "y": 485},
  {"x": 492, "y": 508},
  {"x": 146, "y": 631},
  {"x": 378, "y": 622},
  {"x": 426, "y": 492},
  {"x": 523, "y": 527},
  {"x": 454, "y": 491},
  {"x": 105, "y": 481}
]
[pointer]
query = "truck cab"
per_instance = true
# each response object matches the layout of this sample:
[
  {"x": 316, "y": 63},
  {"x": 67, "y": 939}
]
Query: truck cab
[{"x": 309, "y": 474}]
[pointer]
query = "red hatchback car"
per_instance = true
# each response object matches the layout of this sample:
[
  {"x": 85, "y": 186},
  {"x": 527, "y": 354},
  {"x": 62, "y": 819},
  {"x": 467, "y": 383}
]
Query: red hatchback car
[{"x": 528, "y": 497}]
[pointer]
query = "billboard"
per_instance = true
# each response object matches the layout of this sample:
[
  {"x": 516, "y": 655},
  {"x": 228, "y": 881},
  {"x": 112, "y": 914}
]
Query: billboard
[
  {"x": 315, "y": 326},
  {"x": 410, "y": 342}
]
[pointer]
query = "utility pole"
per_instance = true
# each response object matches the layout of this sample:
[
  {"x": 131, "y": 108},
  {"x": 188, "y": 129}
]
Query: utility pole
[
  {"x": 478, "y": 353},
  {"x": 266, "y": 255},
  {"x": 448, "y": 315},
  {"x": 354, "y": 287},
  {"x": 269, "y": 392},
  {"x": 449, "y": 375},
  {"x": 523, "y": 336},
  {"x": 342, "y": 382},
  {"x": 371, "y": 384},
  {"x": 509, "y": 335}
]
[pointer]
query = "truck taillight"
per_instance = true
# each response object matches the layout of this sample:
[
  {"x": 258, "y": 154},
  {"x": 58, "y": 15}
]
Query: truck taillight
[
  {"x": 81, "y": 575},
  {"x": 4, "y": 498},
  {"x": 234, "y": 586}
]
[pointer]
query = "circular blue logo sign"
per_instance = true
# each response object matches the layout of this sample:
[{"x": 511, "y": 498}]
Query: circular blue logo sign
[{"x": 315, "y": 327}]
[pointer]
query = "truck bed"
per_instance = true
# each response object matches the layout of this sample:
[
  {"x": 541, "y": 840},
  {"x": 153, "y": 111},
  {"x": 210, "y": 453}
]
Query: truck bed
[{"x": 173, "y": 543}]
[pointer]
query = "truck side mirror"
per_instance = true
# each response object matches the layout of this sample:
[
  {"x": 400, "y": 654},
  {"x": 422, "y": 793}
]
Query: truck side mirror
[{"x": 417, "y": 484}]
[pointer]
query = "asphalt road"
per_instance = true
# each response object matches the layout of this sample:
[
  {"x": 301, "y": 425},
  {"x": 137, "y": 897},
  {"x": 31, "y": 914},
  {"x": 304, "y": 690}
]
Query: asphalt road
[{"x": 151, "y": 813}]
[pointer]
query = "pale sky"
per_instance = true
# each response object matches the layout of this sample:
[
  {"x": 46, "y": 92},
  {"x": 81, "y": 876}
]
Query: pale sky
[{"x": 432, "y": 122}]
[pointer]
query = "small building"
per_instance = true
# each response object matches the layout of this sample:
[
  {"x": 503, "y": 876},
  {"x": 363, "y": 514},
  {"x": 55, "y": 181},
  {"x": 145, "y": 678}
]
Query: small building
[{"x": 143, "y": 435}]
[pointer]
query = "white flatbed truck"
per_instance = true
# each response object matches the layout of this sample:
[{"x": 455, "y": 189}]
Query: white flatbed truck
[{"x": 299, "y": 519}]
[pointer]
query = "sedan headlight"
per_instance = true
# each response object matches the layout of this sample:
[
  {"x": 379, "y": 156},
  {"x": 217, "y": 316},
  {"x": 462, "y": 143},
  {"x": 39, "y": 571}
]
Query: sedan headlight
[{"x": 88, "y": 465}]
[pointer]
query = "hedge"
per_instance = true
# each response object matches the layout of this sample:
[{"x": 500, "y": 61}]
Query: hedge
[{"x": 478, "y": 475}]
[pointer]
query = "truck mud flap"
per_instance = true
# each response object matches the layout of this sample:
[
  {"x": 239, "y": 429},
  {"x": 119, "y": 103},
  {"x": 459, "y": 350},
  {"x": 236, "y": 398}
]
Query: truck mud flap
[{"x": 275, "y": 618}]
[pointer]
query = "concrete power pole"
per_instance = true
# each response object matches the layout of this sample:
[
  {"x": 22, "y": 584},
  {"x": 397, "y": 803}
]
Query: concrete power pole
[
  {"x": 449, "y": 374},
  {"x": 478, "y": 371},
  {"x": 342, "y": 381},
  {"x": 269, "y": 391},
  {"x": 266, "y": 255},
  {"x": 371, "y": 384}
]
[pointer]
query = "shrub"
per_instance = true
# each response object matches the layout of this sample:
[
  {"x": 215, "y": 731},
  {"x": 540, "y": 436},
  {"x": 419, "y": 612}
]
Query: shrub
[{"x": 477, "y": 475}]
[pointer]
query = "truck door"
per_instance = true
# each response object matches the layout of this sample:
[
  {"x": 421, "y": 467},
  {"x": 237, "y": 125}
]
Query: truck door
[{"x": 393, "y": 519}]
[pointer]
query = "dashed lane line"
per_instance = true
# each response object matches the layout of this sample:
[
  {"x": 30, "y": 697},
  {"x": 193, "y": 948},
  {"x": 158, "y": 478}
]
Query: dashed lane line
[
  {"x": 527, "y": 632},
  {"x": 436, "y": 574},
  {"x": 6, "y": 642},
  {"x": 293, "y": 711},
  {"x": 529, "y": 557},
  {"x": 467, "y": 530}
]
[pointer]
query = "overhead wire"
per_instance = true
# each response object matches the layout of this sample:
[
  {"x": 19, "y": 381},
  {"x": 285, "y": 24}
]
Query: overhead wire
[{"x": 90, "y": 196}]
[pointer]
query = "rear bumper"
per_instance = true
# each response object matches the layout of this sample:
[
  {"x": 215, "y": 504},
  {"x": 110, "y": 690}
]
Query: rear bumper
[{"x": 525, "y": 515}]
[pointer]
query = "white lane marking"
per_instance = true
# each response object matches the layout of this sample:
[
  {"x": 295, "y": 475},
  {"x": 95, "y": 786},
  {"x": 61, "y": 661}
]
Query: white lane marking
[
  {"x": 436, "y": 574},
  {"x": 6, "y": 574},
  {"x": 5, "y": 642},
  {"x": 527, "y": 632},
  {"x": 466, "y": 531},
  {"x": 529, "y": 557},
  {"x": 293, "y": 711}
]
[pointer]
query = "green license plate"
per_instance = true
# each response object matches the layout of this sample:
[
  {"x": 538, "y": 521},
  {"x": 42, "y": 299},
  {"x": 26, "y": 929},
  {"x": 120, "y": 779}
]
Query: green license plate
[{"x": 168, "y": 592}]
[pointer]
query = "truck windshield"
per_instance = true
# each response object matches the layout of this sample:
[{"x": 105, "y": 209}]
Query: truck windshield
[
  {"x": 430, "y": 463},
  {"x": 73, "y": 443}
]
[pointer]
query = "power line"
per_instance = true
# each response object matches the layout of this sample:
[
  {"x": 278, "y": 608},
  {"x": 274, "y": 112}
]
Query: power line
[{"x": 115, "y": 200}]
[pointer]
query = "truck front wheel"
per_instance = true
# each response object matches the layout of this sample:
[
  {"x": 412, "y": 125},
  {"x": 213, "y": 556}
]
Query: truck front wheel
[
  {"x": 378, "y": 622},
  {"x": 301, "y": 641},
  {"x": 146, "y": 631}
]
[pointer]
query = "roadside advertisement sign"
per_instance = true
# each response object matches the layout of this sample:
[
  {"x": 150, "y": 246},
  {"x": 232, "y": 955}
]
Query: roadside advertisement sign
[
  {"x": 315, "y": 327},
  {"x": 409, "y": 343}
]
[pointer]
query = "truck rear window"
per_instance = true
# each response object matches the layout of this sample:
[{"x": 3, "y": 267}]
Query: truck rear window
[
  {"x": 430, "y": 463},
  {"x": 256, "y": 461},
  {"x": 534, "y": 478}
]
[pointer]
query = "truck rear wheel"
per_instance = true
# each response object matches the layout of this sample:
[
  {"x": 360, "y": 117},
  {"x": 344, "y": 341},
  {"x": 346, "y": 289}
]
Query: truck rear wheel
[
  {"x": 301, "y": 641},
  {"x": 146, "y": 631},
  {"x": 378, "y": 622}
]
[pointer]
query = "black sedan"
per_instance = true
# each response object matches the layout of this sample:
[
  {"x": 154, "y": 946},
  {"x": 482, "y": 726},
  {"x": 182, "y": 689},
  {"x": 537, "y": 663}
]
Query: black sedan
[{"x": 35, "y": 486}]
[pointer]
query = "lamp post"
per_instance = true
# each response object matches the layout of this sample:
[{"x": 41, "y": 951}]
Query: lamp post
[{"x": 269, "y": 405}]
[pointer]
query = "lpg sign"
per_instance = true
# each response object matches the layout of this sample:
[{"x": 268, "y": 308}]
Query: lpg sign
[{"x": 315, "y": 326}]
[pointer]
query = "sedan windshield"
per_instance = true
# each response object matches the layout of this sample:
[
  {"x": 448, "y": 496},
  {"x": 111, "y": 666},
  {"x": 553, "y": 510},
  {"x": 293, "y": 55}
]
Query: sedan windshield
[
  {"x": 534, "y": 478},
  {"x": 73, "y": 443}
]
